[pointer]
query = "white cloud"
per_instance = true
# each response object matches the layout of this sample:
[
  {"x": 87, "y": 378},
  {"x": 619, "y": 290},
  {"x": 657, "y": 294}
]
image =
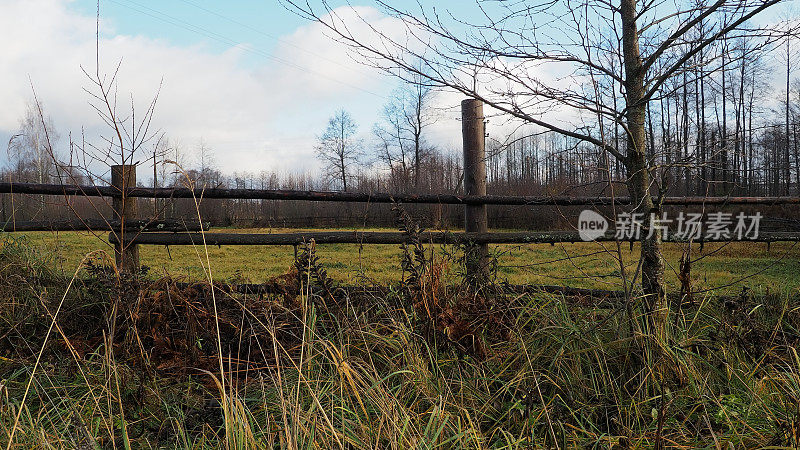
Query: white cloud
[
  {"x": 253, "y": 116},
  {"x": 501, "y": 126},
  {"x": 262, "y": 117}
]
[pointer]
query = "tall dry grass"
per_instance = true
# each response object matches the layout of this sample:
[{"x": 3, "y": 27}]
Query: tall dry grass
[{"x": 374, "y": 371}]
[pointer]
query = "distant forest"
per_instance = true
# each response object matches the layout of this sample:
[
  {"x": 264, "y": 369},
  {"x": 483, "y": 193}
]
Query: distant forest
[{"x": 728, "y": 131}]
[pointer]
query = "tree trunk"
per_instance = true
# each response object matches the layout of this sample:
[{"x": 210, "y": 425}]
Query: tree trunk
[
  {"x": 751, "y": 161},
  {"x": 787, "y": 174},
  {"x": 724, "y": 135},
  {"x": 416, "y": 162},
  {"x": 638, "y": 180},
  {"x": 343, "y": 170}
]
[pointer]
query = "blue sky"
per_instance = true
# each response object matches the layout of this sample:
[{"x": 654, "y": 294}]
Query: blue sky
[
  {"x": 189, "y": 22},
  {"x": 251, "y": 80},
  {"x": 184, "y": 22}
]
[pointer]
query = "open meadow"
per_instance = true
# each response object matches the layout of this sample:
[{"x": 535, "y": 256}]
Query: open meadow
[
  {"x": 726, "y": 268},
  {"x": 616, "y": 130},
  {"x": 100, "y": 361}
]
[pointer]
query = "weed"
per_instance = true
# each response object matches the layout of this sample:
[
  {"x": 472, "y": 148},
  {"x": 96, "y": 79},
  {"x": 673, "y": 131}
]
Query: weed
[{"x": 309, "y": 364}]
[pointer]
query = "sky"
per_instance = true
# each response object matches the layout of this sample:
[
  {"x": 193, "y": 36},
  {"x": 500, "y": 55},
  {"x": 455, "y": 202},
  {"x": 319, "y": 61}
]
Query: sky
[{"x": 252, "y": 81}]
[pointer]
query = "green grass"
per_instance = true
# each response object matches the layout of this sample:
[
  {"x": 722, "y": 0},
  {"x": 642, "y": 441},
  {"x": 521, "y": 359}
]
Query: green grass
[
  {"x": 369, "y": 376},
  {"x": 730, "y": 266}
]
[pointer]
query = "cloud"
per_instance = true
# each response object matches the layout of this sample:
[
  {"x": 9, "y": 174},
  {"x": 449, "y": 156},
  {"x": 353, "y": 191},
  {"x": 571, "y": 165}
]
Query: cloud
[
  {"x": 254, "y": 110},
  {"x": 333, "y": 59},
  {"x": 254, "y": 116},
  {"x": 500, "y": 126}
]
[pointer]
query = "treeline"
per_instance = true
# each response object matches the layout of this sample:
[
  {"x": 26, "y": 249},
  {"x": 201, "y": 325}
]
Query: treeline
[
  {"x": 442, "y": 175},
  {"x": 532, "y": 165},
  {"x": 541, "y": 164},
  {"x": 722, "y": 128},
  {"x": 726, "y": 133}
]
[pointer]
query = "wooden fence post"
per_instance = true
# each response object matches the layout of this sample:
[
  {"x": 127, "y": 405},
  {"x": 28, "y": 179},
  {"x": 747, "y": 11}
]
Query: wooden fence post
[
  {"x": 123, "y": 177},
  {"x": 475, "y": 220}
]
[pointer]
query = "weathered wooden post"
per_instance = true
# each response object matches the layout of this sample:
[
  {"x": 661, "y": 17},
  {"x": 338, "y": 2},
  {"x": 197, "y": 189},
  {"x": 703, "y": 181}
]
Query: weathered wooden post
[
  {"x": 123, "y": 177},
  {"x": 473, "y": 133}
]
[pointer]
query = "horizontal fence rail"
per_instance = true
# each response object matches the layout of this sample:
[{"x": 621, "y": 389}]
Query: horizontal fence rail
[
  {"x": 125, "y": 193},
  {"x": 131, "y": 225},
  {"x": 369, "y": 197},
  {"x": 380, "y": 237}
]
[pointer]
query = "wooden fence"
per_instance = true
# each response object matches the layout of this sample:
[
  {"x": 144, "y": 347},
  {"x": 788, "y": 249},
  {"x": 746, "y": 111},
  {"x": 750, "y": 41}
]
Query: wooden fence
[{"x": 128, "y": 231}]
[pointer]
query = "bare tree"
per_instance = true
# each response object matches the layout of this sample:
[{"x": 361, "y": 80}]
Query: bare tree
[
  {"x": 338, "y": 148},
  {"x": 391, "y": 146},
  {"x": 401, "y": 133},
  {"x": 500, "y": 60},
  {"x": 29, "y": 149},
  {"x": 787, "y": 145}
]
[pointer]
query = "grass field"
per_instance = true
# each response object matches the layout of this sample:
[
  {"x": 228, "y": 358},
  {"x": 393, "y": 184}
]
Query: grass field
[
  {"x": 728, "y": 266},
  {"x": 106, "y": 362}
]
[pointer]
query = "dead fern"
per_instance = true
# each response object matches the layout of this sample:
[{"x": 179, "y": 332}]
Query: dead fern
[
  {"x": 413, "y": 261},
  {"x": 424, "y": 284},
  {"x": 310, "y": 267}
]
